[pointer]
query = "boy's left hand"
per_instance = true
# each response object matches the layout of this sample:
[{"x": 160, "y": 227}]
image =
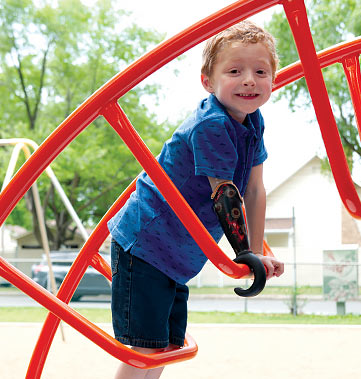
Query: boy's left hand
[{"x": 273, "y": 266}]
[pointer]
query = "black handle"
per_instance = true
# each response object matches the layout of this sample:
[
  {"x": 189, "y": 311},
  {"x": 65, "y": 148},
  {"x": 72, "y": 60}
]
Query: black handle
[{"x": 259, "y": 272}]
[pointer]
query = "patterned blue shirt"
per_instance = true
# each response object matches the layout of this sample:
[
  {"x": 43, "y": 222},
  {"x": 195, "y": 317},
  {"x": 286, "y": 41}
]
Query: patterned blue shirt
[{"x": 208, "y": 143}]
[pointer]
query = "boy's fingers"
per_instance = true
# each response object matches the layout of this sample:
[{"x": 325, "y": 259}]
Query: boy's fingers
[
  {"x": 279, "y": 268},
  {"x": 270, "y": 269},
  {"x": 273, "y": 267}
]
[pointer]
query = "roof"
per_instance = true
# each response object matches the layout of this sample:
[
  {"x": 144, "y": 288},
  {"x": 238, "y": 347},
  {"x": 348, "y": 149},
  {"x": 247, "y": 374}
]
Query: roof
[
  {"x": 293, "y": 172},
  {"x": 356, "y": 181},
  {"x": 15, "y": 230}
]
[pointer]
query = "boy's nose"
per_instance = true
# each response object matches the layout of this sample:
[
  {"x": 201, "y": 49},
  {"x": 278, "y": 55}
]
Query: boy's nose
[{"x": 248, "y": 80}]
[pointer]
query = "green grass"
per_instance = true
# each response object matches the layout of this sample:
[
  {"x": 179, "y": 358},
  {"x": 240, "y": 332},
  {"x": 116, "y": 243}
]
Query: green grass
[
  {"x": 38, "y": 314},
  {"x": 265, "y": 318}
]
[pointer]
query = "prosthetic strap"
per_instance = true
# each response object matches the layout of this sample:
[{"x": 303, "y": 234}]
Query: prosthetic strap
[{"x": 227, "y": 203}]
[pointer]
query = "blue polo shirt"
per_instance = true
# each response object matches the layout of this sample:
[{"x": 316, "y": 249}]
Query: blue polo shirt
[{"x": 208, "y": 143}]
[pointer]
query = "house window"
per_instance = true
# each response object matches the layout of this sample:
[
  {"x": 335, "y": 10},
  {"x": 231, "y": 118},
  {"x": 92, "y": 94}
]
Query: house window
[
  {"x": 277, "y": 239},
  {"x": 72, "y": 246},
  {"x": 277, "y": 231},
  {"x": 30, "y": 246}
]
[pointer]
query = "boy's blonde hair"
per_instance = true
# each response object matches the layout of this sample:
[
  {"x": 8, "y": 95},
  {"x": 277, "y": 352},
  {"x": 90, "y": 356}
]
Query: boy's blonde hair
[{"x": 246, "y": 32}]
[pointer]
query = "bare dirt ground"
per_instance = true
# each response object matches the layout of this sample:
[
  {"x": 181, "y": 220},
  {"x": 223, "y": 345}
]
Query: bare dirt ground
[{"x": 225, "y": 351}]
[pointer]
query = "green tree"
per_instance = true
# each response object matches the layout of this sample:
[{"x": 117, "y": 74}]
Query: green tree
[
  {"x": 331, "y": 22},
  {"x": 53, "y": 55}
]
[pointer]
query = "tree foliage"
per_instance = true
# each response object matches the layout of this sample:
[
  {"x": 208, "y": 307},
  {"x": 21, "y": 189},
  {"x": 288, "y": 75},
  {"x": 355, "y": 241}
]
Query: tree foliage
[
  {"x": 331, "y": 22},
  {"x": 53, "y": 55}
]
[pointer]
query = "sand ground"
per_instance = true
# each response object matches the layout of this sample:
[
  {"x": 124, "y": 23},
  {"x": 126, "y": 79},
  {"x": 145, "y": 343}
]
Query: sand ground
[{"x": 225, "y": 351}]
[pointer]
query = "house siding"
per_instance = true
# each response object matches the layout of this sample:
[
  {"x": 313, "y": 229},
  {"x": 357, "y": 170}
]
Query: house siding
[{"x": 319, "y": 219}]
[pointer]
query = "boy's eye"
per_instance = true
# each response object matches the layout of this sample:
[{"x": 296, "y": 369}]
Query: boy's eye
[
  {"x": 234, "y": 71},
  {"x": 261, "y": 72}
]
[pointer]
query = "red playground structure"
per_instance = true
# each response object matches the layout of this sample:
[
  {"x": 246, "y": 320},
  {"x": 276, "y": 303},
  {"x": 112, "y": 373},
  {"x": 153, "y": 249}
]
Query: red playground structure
[{"x": 104, "y": 102}]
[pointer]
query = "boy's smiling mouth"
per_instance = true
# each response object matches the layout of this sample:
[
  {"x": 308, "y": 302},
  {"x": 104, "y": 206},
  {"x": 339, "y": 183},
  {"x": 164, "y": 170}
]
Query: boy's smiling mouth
[{"x": 247, "y": 95}]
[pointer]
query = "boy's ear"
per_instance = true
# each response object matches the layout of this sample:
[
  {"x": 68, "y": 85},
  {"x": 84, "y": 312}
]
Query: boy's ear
[{"x": 206, "y": 82}]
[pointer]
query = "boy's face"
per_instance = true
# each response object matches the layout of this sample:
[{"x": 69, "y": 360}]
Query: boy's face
[{"x": 241, "y": 78}]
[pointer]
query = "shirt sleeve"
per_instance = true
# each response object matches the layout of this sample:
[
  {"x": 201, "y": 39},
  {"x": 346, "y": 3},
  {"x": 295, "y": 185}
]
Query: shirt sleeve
[
  {"x": 214, "y": 149},
  {"x": 260, "y": 154}
]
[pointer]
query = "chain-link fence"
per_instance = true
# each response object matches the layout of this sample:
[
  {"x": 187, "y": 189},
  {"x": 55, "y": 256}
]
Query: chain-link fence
[{"x": 305, "y": 287}]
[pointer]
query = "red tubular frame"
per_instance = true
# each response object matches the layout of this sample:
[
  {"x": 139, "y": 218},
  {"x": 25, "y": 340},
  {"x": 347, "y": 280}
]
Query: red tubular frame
[
  {"x": 63, "y": 135},
  {"x": 104, "y": 102},
  {"x": 116, "y": 88},
  {"x": 297, "y": 17},
  {"x": 351, "y": 66},
  {"x": 119, "y": 121}
]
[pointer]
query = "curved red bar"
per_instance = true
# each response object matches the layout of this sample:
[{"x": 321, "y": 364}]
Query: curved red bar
[
  {"x": 90, "y": 330},
  {"x": 327, "y": 57},
  {"x": 84, "y": 115},
  {"x": 118, "y": 86},
  {"x": 119, "y": 121},
  {"x": 70, "y": 283},
  {"x": 104, "y": 102},
  {"x": 297, "y": 17},
  {"x": 351, "y": 65}
]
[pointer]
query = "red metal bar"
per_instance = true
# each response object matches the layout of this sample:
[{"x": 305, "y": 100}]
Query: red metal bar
[
  {"x": 51, "y": 323},
  {"x": 118, "y": 86},
  {"x": 89, "y": 110},
  {"x": 351, "y": 66},
  {"x": 102, "y": 266},
  {"x": 348, "y": 54},
  {"x": 119, "y": 121},
  {"x": 85, "y": 114},
  {"x": 327, "y": 57},
  {"x": 297, "y": 18},
  {"x": 90, "y": 330}
]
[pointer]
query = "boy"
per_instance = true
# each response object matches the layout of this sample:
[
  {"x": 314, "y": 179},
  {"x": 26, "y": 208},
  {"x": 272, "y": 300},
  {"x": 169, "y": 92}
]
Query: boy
[{"x": 219, "y": 146}]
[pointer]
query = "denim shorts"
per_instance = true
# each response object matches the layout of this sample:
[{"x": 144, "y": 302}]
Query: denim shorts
[{"x": 148, "y": 308}]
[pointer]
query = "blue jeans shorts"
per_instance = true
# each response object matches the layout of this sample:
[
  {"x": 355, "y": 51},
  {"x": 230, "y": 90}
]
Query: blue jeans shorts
[{"x": 148, "y": 308}]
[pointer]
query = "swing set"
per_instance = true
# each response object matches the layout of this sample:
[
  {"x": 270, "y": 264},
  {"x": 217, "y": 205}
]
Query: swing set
[{"x": 104, "y": 102}]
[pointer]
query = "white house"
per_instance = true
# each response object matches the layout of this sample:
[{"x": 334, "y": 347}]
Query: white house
[
  {"x": 8, "y": 235},
  {"x": 8, "y": 245},
  {"x": 304, "y": 217}
]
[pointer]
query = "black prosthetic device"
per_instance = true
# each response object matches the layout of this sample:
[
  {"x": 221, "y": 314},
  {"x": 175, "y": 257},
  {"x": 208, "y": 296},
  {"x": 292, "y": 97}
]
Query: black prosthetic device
[{"x": 227, "y": 204}]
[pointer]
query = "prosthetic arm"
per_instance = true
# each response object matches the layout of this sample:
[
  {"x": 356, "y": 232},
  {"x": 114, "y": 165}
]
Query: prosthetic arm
[{"x": 227, "y": 203}]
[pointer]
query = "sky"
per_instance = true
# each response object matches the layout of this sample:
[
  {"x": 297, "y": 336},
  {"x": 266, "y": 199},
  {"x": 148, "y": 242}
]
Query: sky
[{"x": 291, "y": 138}]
